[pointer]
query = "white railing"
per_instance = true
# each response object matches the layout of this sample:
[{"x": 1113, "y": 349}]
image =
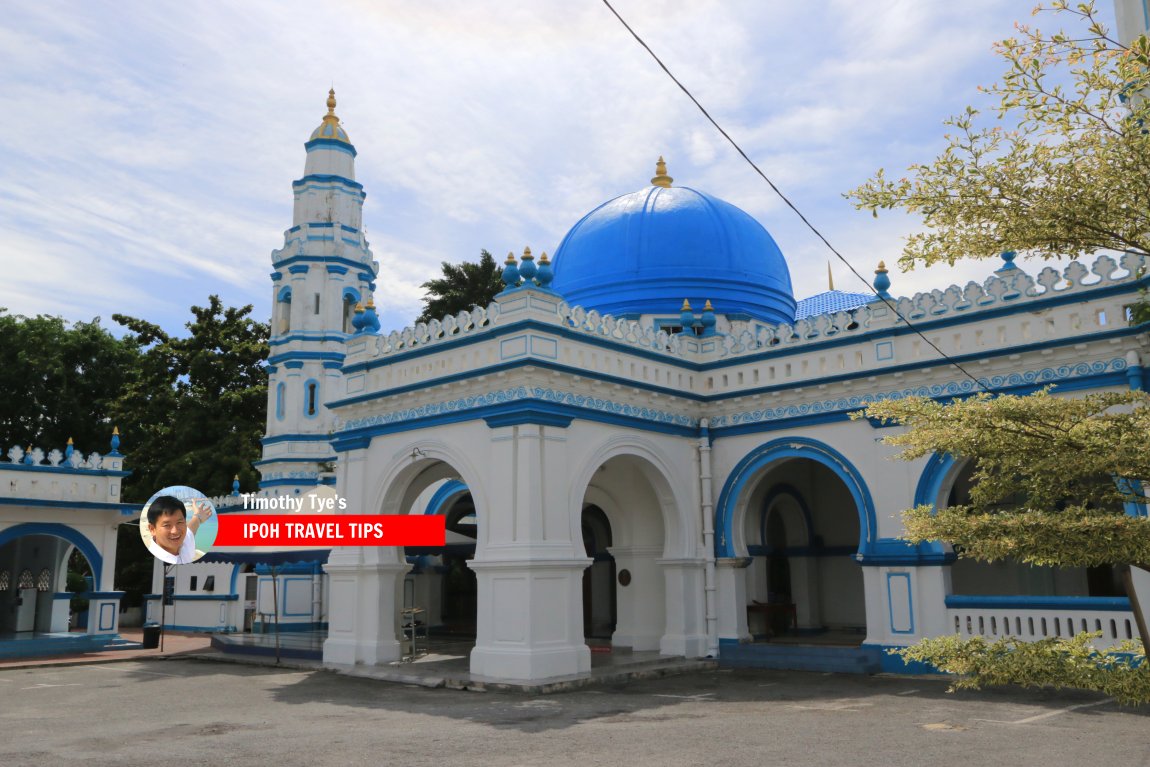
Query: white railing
[{"x": 1032, "y": 618}]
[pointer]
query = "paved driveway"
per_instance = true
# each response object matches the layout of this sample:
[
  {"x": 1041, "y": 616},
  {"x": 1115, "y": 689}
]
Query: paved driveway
[{"x": 182, "y": 712}]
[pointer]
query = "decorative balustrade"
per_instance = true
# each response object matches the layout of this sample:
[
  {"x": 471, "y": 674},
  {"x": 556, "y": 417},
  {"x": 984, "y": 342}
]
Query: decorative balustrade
[
  {"x": 1010, "y": 285},
  {"x": 66, "y": 459},
  {"x": 1032, "y": 618}
]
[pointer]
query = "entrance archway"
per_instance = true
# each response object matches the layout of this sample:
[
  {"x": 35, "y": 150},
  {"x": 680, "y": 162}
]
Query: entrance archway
[
  {"x": 34, "y": 590},
  {"x": 626, "y": 502},
  {"x": 798, "y": 512}
]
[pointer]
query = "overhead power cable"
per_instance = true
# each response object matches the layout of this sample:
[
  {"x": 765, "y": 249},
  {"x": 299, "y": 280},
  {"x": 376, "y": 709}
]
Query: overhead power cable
[{"x": 792, "y": 206}]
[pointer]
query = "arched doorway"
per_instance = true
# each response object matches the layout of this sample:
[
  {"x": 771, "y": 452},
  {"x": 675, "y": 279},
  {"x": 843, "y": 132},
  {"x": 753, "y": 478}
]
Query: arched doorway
[
  {"x": 625, "y": 503},
  {"x": 36, "y": 592},
  {"x": 373, "y": 601},
  {"x": 803, "y": 579},
  {"x": 1009, "y": 577},
  {"x": 599, "y": 606},
  {"x": 789, "y": 523}
]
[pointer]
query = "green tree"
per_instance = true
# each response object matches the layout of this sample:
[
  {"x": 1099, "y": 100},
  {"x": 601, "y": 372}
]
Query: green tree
[
  {"x": 195, "y": 408},
  {"x": 1049, "y": 490},
  {"x": 1064, "y": 170},
  {"x": 461, "y": 287},
  {"x": 60, "y": 380}
]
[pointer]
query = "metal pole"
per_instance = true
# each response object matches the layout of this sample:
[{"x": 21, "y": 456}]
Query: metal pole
[
  {"x": 276, "y": 607},
  {"x": 707, "y": 508}
]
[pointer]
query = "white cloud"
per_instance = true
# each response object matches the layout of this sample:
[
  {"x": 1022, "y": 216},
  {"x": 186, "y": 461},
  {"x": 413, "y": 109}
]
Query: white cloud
[{"x": 153, "y": 145}]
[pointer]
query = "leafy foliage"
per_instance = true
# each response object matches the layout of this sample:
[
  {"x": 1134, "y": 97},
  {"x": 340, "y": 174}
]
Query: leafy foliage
[
  {"x": 1048, "y": 491},
  {"x": 1059, "y": 663},
  {"x": 1022, "y": 445},
  {"x": 1064, "y": 170},
  {"x": 60, "y": 380},
  {"x": 195, "y": 407},
  {"x": 461, "y": 287}
]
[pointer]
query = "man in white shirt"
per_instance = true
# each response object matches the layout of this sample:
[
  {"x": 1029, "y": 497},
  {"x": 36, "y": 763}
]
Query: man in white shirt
[{"x": 173, "y": 534}]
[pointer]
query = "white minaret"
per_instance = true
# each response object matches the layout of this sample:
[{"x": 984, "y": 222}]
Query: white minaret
[{"x": 321, "y": 275}]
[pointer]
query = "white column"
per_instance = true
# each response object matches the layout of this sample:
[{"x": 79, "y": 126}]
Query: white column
[
  {"x": 805, "y": 591},
  {"x": 366, "y": 589},
  {"x": 529, "y": 572},
  {"x": 686, "y": 632},
  {"x": 732, "y": 598},
  {"x": 641, "y": 605}
]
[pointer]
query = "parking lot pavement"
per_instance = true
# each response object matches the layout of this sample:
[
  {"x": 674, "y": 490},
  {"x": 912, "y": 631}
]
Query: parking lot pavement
[{"x": 184, "y": 712}]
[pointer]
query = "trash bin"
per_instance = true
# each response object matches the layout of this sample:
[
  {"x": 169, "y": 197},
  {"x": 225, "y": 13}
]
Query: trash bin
[{"x": 151, "y": 636}]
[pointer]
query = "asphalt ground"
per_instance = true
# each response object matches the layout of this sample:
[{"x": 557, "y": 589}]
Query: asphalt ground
[{"x": 181, "y": 712}]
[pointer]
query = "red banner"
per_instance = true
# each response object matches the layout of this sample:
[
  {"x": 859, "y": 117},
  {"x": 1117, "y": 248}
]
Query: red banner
[{"x": 321, "y": 530}]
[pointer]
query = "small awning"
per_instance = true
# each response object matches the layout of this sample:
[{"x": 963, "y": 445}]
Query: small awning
[{"x": 265, "y": 556}]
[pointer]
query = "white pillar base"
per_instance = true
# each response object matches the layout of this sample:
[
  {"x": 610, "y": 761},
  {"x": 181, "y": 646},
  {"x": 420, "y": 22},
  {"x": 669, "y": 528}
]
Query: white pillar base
[
  {"x": 366, "y": 592},
  {"x": 530, "y": 622},
  {"x": 731, "y": 577}
]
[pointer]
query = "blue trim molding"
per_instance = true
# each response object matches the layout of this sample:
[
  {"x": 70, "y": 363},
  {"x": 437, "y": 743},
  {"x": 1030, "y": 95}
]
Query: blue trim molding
[
  {"x": 74, "y": 537},
  {"x": 749, "y": 470},
  {"x": 895, "y": 552},
  {"x": 445, "y": 497},
  {"x": 1023, "y": 602}
]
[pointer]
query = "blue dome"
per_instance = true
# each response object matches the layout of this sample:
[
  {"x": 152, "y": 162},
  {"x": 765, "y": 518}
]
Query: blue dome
[{"x": 644, "y": 252}]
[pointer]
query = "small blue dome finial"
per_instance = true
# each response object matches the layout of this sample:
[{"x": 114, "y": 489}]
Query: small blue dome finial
[
  {"x": 708, "y": 319},
  {"x": 527, "y": 267},
  {"x": 69, "y": 448},
  {"x": 370, "y": 318},
  {"x": 545, "y": 273},
  {"x": 115, "y": 441},
  {"x": 881, "y": 281},
  {"x": 1008, "y": 264},
  {"x": 236, "y": 485},
  {"x": 686, "y": 316},
  {"x": 510, "y": 272}
]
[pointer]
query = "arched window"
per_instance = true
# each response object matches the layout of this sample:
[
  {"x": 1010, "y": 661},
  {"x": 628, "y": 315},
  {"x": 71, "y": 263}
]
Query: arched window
[
  {"x": 283, "y": 311},
  {"x": 348, "y": 312},
  {"x": 280, "y": 391},
  {"x": 311, "y": 399}
]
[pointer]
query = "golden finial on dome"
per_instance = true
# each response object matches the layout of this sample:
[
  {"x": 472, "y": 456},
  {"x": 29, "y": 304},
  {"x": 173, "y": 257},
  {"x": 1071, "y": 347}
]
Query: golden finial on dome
[
  {"x": 881, "y": 268},
  {"x": 371, "y": 303},
  {"x": 115, "y": 431},
  {"x": 707, "y": 307},
  {"x": 359, "y": 308},
  {"x": 69, "y": 440},
  {"x": 330, "y": 116},
  {"x": 661, "y": 178},
  {"x": 686, "y": 307},
  {"x": 510, "y": 258},
  {"x": 543, "y": 259},
  {"x": 527, "y": 253}
]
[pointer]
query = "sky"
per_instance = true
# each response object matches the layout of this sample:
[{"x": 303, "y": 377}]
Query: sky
[{"x": 148, "y": 149}]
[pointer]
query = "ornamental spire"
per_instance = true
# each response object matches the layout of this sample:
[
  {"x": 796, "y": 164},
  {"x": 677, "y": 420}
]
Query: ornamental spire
[
  {"x": 661, "y": 178},
  {"x": 330, "y": 116}
]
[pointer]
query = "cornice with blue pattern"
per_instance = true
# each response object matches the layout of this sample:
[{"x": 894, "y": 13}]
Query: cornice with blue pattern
[
  {"x": 521, "y": 394},
  {"x": 326, "y": 260},
  {"x": 960, "y": 388}
]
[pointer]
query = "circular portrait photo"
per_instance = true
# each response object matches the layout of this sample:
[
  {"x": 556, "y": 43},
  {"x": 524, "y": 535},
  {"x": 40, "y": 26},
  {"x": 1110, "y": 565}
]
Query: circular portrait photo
[{"x": 178, "y": 525}]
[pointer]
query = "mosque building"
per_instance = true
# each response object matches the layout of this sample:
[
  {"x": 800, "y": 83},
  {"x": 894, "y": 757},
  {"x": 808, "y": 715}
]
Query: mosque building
[{"x": 643, "y": 443}]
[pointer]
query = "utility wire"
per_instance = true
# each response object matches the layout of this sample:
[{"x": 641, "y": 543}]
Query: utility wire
[{"x": 792, "y": 206}]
